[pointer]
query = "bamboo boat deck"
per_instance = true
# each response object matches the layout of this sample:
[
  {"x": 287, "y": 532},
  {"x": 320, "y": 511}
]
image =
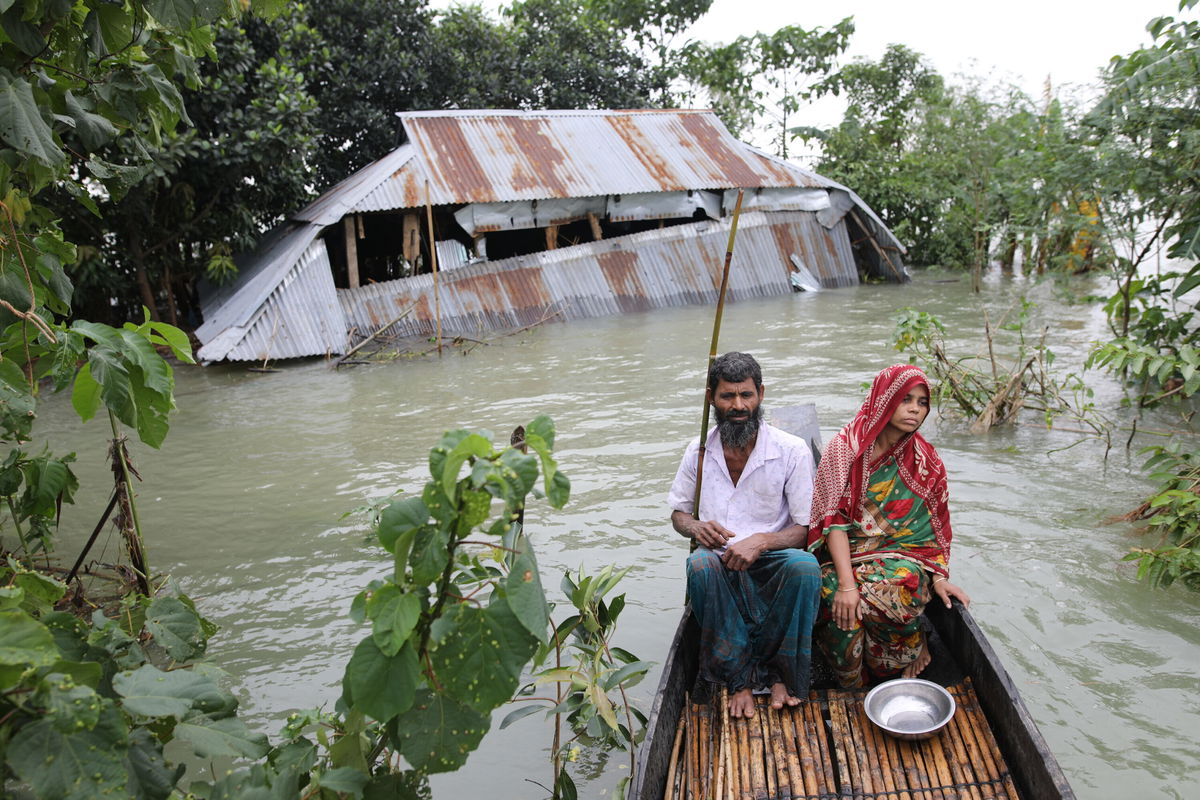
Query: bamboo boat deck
[{"x": 827, "y": 749}]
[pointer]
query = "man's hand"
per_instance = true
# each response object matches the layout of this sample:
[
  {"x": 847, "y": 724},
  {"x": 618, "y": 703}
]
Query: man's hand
[
  {"x": 708, "y": 533},
  {"x": 740, "y": 555}
]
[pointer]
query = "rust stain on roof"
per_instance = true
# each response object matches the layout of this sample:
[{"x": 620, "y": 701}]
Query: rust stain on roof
[
  {"x": 620, "y": 270},
  {"x": 644, "y": 151},
  {"x": 453, "y": 164},
  {"x": 733, "y": 167},
  {"x": 536, "y": 156}
]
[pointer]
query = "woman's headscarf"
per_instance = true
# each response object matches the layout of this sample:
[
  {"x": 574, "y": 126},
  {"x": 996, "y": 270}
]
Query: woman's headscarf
[{"x": 845, "y": 464}]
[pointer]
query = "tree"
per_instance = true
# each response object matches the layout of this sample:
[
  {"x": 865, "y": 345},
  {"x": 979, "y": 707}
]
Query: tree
[
  {"x": 211, "y": 190},
  {"x": 766, "y": 75}
]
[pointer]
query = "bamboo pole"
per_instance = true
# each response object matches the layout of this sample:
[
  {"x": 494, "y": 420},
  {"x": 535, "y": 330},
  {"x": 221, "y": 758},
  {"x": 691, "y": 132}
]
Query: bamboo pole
[
  {"x": 800, "y": 760},
  {"x": 758, "y": 778},
  {"x": 437, "y": 297},
  {"x": 861, "y": 727},
  {"x": 776, "y": 758},
  {"x": 704, "y": 734},
  {"x": 992, "y": 760},
  {"x": 712, "y": 352},
  {"x": 745, "y": 781},
  {"x": 888, "y": 774},
  {"x": 796, "y": 777},
  {"x": 947, "y": 771},
  {"x": 359, "y": 346},
  {"x": 725, "y": 777},
  {"x": 694, "y": 752},
  {"x": 674, "y": 762},
  {"x": 847, "y": 756},
  {"x": 959, "y": 752},
  {"x": 824, "y": 757}
]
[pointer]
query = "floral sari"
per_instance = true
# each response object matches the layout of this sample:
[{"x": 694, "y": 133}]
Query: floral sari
[{"x": 894, "y": 513}]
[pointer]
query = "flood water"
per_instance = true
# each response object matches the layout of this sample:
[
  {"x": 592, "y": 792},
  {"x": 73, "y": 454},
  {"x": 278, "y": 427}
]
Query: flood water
[{"x": 244, "y": 508}]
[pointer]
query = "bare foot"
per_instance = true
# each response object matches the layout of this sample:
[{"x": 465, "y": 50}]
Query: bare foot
[
  {"x": 918, "y": 666},
  {"x": 741, "y": 704},
  {"x": 781, "y": 698}
]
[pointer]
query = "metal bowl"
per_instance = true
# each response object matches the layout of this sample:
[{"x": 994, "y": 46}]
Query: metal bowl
[{"x": 909, "y": 708}]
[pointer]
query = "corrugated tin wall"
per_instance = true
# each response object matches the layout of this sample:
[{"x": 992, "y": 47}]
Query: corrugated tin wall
[
  {"x": 301, "y": 317},
  {"x": 670, "y": 267}
]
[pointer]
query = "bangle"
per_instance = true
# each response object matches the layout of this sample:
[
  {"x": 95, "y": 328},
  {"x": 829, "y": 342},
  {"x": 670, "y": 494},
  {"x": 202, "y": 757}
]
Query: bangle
[
  {"x": 937, "y": 578},
  {"x": 849, "y": 589}
]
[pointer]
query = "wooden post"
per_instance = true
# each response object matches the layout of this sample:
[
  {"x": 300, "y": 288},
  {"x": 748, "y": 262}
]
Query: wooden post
[
  {"x": 411, "y": 228},
  {"x": 351, "y": 251},
  {"x": 594, "y": 221},
  {"x": 552, "y": 237},
  {"x": 437, "y": 298}
]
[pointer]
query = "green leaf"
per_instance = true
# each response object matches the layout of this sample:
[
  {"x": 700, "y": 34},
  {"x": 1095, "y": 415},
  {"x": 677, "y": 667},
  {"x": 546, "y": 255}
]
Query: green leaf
[
  {"x": 344, "y": 779},
  {"x": 629, "y": 675},
  {"x": 393, "y": 617},
  {"x": 176, "y": 628},
  {"x": 438, "y": 733},
  {"x": 22, "y": 33},
  {"x": 85, "y": 396},
  {"x": 473, "y": 445},
  {"x": 81, "y": 765},
  {"x": 183, "y": 14},
  {"x": 223, "y": 737},
  {"x": 41, "y": 591},
  {"x": 150, "y": 692},
  {"x": 400, "y": 518},
  {"x": 524, "y": 593},
  {"x": 430, "y": 554},
  {"x": 70, "y": 707},
  {"x": 481, "y": 653},
  {"x": 381, "y": 686},
  {"x": 21, "y": 123},
  {"x": 156, "y": 372},
  {"x": 93, "y": 130},
  {"x": 25, "y": 641},
  {"x": 149, "y": 776},
  {"x": 542, "y": 427},
  {"x": 520, "y": 712}
]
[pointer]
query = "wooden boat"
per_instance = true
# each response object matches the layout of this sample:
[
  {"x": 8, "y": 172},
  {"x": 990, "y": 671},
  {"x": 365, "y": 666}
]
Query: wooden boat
[{"x": 827, "y": 748}]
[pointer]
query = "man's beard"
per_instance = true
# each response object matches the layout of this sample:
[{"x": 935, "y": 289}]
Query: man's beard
[{"x": 737, "y": 432}]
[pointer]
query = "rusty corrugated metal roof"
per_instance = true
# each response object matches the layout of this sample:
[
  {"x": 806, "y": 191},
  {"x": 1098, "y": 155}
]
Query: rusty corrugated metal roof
[{"x": 494, "y": 156}]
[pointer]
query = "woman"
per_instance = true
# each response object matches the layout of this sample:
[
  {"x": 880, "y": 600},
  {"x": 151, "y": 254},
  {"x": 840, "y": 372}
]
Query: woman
[{"x": 880, "y": 524}]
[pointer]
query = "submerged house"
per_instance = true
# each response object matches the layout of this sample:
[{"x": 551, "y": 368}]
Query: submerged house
[{"x": 491, "y": 220}]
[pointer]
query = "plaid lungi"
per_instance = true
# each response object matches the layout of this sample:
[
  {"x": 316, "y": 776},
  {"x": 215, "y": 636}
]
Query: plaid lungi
[{"x": 755, "y": 624}]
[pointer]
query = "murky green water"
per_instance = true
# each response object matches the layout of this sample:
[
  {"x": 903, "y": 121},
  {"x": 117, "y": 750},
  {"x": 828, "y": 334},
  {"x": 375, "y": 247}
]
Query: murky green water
[{"x": 244, "y": 508}]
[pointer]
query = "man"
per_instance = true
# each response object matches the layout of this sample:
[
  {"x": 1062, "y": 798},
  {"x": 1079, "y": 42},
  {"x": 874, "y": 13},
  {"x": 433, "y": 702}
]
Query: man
[{"x": 752, "y": 586}]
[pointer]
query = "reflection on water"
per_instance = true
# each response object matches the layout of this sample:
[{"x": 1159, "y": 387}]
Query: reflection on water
[{"x": 244, "y": 507}]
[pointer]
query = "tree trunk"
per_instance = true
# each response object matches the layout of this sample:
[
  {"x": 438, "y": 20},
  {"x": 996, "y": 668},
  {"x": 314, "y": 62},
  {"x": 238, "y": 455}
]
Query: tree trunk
[{"x": 143, "y": 281}]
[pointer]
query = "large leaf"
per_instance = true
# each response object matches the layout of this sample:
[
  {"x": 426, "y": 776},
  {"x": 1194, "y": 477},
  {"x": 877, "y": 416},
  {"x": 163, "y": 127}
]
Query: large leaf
[
  {"x": 393, "y": 616},
  {"x": 72, "y": 707},
  {"x": 438, "y": 733},
  {"x": 400, "y": 518},
  {"x": 183, "y": 14},
  {"x": 81, "y": 765},
  {"x": 430, "y": 554},
  {"x": 524, "y": 593},
  {"x": 480, "y": 654},
  {"x": 85, "y": 395},
  {"x": 473, "y": 445},
  {"x": 156, "y": 372},
  {"x": 25, "y": 641},
  {"x": 21, "y": 123},
  {"x": 381, "y": 686},
  {"x": 150, "y": 692},
  {"x": 222, "y": 737},
  {"x": 176, "y": 628},
  {"x": 149, "y": 776},
  {"x": 93, "y": 130}
]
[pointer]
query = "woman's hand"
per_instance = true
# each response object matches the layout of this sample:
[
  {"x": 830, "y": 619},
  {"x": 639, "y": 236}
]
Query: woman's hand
[
  {"x": 946, "y": 590},
  {"x": 847, "y": 608}
]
